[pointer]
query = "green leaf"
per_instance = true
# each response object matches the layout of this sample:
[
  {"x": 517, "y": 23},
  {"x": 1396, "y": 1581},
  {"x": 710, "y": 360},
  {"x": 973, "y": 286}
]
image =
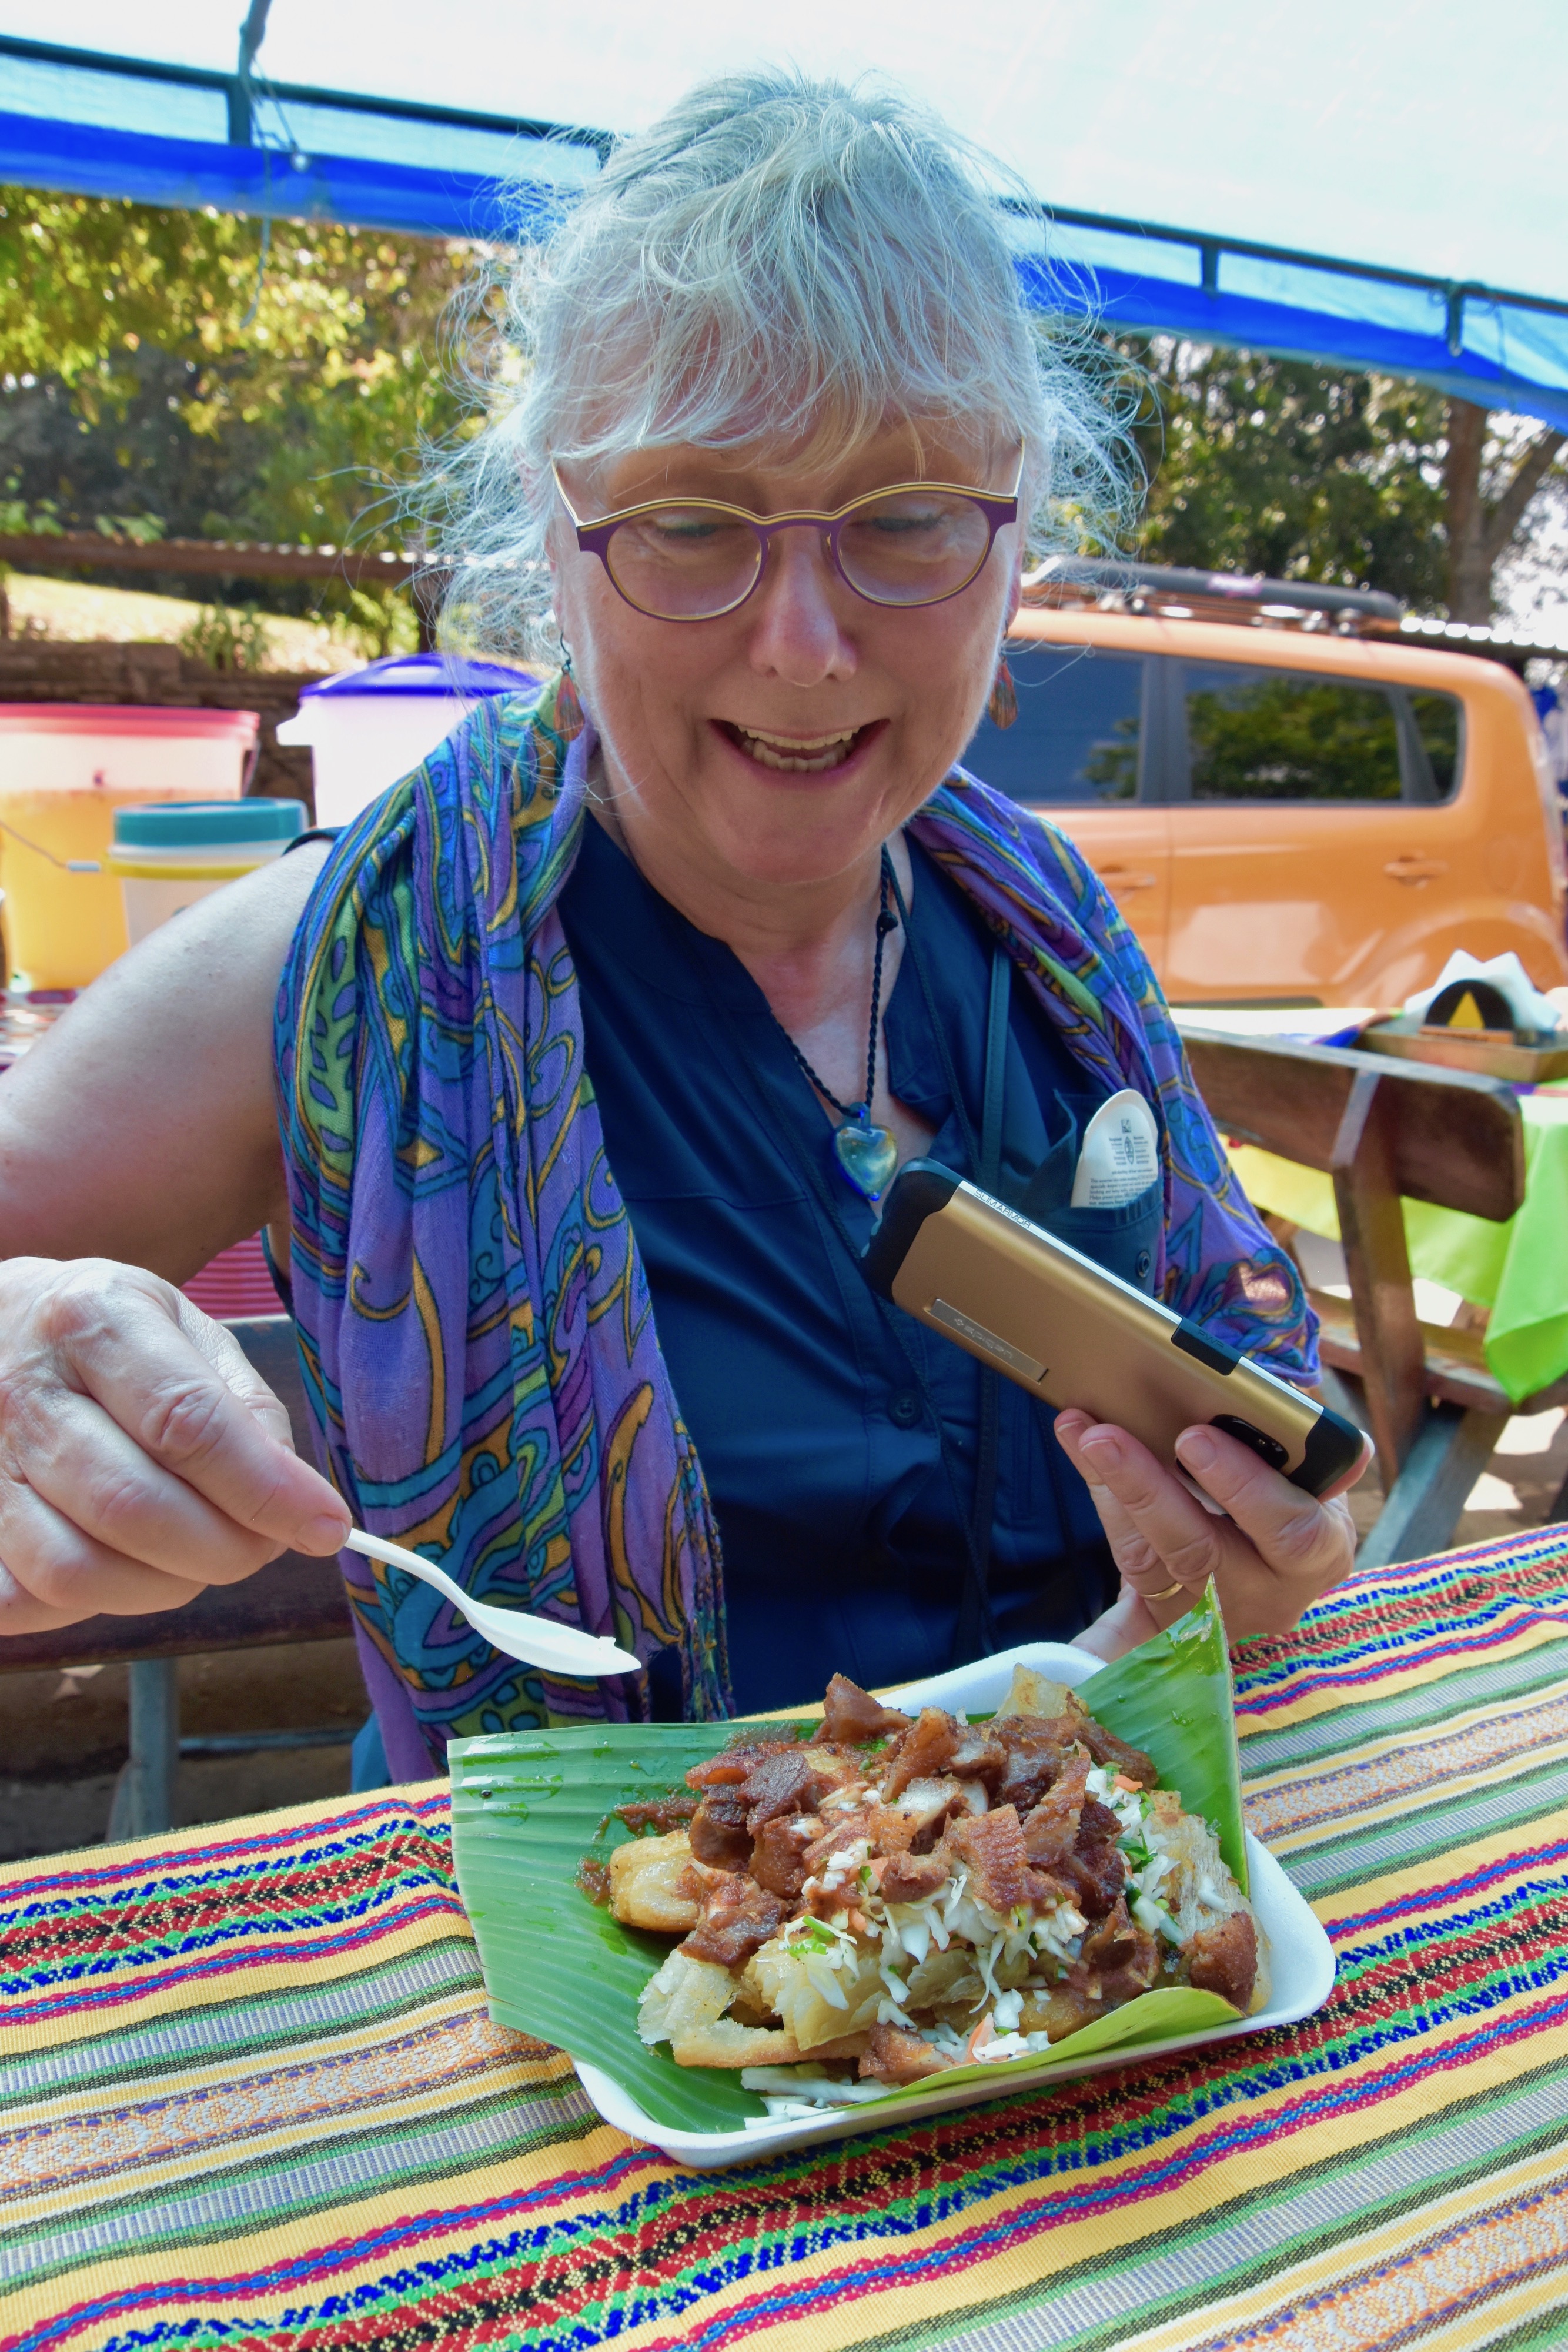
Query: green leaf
[
  {"x": 1174, "y": 1698},
  {"x": 527, "y": 1807},
  {"x": 1168, "y": 2015}
]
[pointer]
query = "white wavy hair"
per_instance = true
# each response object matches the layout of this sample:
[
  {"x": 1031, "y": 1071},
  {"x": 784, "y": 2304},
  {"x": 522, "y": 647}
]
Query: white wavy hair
[{"x": 779, "y": 260}]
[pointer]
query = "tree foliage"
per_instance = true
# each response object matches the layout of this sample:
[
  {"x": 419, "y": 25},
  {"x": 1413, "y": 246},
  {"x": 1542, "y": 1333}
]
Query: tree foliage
[
  {"x": 160, "y": 373},
  {"x": 157, "y": 366},
  {"x": 1310, "y": 473},
  {"x": 1283, "y": 468}
]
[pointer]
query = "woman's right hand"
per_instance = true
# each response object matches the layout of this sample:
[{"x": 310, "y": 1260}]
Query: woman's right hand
[{"x": 141, "y": 1456}]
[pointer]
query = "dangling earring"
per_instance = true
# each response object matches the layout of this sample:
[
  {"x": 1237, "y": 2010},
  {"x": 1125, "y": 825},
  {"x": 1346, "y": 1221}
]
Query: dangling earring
[
  {"x": 569, "y": 716},
  {"x": 1003, "y": 707}
]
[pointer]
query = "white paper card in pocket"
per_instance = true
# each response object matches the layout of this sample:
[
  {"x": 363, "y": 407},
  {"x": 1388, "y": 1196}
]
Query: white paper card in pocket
[{"x": 1120, "y": 1156}]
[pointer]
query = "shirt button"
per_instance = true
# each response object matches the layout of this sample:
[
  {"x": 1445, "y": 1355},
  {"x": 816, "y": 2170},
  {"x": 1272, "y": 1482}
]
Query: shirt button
[
  {"x": 904, "y": 1407},
  {"x": 1145, "y": 1265}
]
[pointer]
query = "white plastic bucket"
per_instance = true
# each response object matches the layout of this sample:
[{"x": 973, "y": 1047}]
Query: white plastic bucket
[
  {"x": 65, "y": 768},
  {"x": 370, "y": 728},
  {"x": 168, "y": 858}
]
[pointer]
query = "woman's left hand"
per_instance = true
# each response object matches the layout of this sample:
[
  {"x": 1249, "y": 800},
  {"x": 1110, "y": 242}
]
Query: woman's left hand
[{"x": 1277, "y": 1549}]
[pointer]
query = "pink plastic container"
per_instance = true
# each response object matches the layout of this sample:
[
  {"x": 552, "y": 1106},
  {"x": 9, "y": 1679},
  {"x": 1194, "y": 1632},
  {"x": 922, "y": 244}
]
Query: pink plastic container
[{"x": 65, "y": 768}]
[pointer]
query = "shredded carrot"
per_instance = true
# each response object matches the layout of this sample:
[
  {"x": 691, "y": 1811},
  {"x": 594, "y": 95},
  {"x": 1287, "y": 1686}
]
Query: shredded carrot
[
  {"x": 985, "y": 2031},
  {"x": 1122, "y": 1782}
]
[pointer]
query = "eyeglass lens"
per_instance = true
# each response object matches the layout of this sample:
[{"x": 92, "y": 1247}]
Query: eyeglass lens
[{"x": 911, "y": 547}]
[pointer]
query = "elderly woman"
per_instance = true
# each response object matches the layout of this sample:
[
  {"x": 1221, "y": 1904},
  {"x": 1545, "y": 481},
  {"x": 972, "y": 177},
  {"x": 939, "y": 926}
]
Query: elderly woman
[{"x": 597, "y": 1039}]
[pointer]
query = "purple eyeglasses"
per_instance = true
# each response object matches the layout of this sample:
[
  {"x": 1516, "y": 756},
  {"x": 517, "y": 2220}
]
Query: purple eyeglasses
[{"x": 696, "y": 558}]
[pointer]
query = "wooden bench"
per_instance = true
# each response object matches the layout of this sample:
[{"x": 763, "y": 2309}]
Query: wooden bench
[
  {"x": 1433, "y": 1410},
  {"x": 296, "y": 1598}
]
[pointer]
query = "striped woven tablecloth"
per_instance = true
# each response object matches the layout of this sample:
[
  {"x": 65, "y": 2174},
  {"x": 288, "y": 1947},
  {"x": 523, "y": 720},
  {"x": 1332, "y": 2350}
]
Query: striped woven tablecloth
[{"x": 249, "y": 2093}]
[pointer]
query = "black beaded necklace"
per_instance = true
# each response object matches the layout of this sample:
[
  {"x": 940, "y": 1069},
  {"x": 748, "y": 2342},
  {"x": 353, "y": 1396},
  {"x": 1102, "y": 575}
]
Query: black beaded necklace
[{"x": 867, "y": 1154}]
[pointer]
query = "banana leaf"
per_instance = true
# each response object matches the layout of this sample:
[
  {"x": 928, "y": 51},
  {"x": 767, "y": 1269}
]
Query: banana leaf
[
  {"x": 1174, "y": 1698},
  {"x": 1174, "y": 2014},
  {"x": 528, "y": 1807}
]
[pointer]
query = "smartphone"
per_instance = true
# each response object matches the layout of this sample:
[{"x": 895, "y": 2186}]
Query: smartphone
[{"x": 1071, "y": 1334}]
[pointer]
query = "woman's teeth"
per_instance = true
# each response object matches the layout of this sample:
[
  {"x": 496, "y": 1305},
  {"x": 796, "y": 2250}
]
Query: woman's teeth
[{"x": 807, "y": 755}]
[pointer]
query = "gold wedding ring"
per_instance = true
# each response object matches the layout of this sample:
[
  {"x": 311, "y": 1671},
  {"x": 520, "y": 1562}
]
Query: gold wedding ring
[{"x": 1164, "y": 1593}]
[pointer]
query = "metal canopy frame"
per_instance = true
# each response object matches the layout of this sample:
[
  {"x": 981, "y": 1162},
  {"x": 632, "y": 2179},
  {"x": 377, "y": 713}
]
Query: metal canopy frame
[
  {"x": 241, "y": 89},
  {"x": 440, "y": 172},
  {"x": 1210, "y": 248}
]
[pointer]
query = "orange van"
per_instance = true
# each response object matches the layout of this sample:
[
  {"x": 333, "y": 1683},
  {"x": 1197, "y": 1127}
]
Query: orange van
[{"x": 1284, "y": 813}]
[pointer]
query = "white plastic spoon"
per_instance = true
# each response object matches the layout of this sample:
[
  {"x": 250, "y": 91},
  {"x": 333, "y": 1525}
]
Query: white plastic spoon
[{"x": 537, "y": 1640}]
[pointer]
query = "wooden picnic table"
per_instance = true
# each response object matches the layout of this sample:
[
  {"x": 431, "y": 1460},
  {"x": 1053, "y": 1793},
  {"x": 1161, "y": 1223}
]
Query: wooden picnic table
[
  {"x": 1517, "y": 1270},
  {"x": 252, "y": 2094}
]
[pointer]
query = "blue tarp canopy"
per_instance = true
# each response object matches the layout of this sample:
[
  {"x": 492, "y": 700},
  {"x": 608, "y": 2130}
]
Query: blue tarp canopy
[{"x": 1424, "y": 144}]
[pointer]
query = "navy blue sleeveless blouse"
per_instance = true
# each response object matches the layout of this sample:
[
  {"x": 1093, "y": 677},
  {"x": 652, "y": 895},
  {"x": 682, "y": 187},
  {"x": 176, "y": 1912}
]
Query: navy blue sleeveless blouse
[{"x": 841, "y": 1506}]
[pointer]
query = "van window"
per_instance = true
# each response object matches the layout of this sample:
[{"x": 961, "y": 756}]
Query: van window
[
  {"x": 1439, "y": 726},
  {"x": 1075, "y": 739},
  {"x": 1286, "y": 735}
]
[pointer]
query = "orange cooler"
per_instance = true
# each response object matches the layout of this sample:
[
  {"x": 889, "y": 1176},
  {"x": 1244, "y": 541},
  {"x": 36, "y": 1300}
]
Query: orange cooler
[{"x": 65, "y": 768}]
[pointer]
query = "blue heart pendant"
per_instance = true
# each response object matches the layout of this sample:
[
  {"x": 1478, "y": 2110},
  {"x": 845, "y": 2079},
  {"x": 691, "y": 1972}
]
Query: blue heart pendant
[{"x": 867, "y": 1155}]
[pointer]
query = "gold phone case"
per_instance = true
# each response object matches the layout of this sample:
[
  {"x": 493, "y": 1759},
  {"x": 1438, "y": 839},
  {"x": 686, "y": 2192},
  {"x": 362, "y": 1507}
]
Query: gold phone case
[{"x": 1071, "y": 1334}]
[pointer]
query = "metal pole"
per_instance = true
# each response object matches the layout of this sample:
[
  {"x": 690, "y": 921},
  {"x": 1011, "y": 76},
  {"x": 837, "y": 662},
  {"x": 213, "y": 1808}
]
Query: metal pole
[{"x": 154, "y": 1744}]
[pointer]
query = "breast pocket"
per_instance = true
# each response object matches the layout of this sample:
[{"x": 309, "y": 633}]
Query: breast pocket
[{"x": 1125, "y": 1241}]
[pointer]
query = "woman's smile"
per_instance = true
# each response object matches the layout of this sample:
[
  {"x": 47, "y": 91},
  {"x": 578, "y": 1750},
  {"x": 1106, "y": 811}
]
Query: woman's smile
[{"x": 800, "y": 755}]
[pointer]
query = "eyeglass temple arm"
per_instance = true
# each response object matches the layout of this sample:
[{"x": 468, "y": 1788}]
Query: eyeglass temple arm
[{"x": 572, "y": 515}]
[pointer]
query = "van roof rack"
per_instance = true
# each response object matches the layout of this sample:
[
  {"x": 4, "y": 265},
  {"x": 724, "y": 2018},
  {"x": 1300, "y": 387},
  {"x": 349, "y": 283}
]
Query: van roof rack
[
  {"x": 1247, "y": 600},
  {"x": 1173, "y": 592}
]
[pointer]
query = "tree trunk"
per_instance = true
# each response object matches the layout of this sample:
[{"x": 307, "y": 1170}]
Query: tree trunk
[
  {"x": 1481, "y": 530},
  {"x": 1470, "y": 559}
]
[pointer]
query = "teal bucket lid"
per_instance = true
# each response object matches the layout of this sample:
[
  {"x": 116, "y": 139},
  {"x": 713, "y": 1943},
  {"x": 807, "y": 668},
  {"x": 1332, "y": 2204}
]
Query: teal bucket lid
[{"x": 209, "y": 824}]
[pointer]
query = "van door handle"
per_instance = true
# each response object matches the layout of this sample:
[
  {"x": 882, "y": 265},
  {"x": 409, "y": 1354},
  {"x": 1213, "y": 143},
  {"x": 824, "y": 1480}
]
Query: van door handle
[
  {"x": 1122, "y": 877},
  {"x": 1416, "y": 869}
]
